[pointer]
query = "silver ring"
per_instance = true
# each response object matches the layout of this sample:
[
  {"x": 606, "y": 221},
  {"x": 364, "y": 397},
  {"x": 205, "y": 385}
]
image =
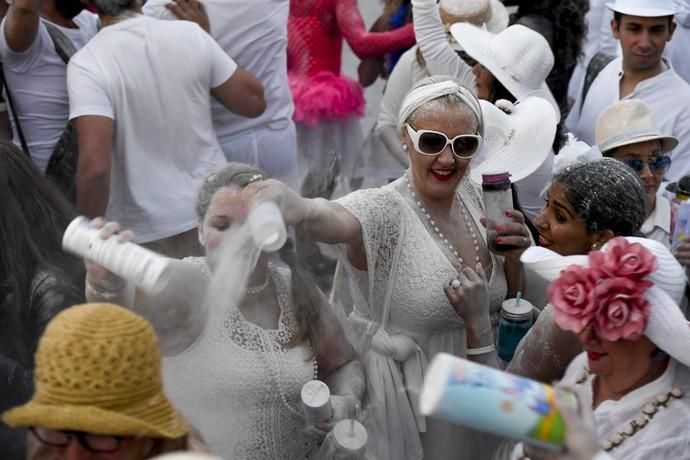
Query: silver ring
[{"x": 455, "y": 284}]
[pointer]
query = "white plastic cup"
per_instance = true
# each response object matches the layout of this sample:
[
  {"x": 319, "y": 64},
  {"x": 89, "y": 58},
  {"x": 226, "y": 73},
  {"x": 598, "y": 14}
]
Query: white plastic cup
[
  {"x": 267, "y": 226},
  {"x": 350, "y": 438},
  {"x": 316, "y": 402},
  {"x": 145, "y": 268}
]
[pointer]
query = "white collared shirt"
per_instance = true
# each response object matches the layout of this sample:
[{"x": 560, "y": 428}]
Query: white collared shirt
[
  {"x": 658, "y": 225},
  {"x": 667, "y": 96}
]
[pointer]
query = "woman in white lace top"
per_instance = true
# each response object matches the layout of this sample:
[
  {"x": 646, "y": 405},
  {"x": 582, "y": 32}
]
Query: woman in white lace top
[
  {"x": 236, "y": 370},
  {"x": 402, "y": 245}
]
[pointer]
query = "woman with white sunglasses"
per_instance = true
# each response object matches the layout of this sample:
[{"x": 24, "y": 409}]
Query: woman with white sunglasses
[{"x": 422, "y": 278}]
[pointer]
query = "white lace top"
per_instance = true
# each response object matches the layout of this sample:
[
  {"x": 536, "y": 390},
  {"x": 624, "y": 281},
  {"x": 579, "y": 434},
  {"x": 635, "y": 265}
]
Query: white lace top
[
  {"x": 240, "y": 387},
  {"x": 406, "y": 319}
]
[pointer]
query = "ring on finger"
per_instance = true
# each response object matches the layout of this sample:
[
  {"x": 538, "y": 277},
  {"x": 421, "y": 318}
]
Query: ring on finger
[{"x": 455, "y": 284}]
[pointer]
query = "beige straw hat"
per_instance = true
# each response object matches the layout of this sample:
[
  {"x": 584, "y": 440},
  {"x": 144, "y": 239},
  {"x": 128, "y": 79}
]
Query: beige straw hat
[
  {"x": 98, "y": 370},
  {"x": 489, "y": 13},
  {"x": 629, "y": 122}
]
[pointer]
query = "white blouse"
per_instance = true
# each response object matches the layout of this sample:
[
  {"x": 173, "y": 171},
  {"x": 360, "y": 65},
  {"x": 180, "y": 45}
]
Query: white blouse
[{"x": 665, "y": 436}]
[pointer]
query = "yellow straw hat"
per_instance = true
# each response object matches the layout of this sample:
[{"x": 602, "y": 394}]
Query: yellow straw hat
[{"x": 98, "y": 370}]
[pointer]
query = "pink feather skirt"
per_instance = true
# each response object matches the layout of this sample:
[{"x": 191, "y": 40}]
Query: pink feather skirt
[{"x": 326, "y": 96}]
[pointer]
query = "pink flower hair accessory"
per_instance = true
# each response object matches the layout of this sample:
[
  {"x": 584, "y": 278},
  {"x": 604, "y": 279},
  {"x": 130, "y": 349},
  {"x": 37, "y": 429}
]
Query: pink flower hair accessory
[{"x": 609, "y": 294}]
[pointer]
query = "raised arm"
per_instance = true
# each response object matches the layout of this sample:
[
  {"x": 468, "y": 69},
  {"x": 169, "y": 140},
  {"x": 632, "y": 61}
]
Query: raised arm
[
  {"x": 369, "y": 44},
  {"x": 21, "y": 24},
  {"x": 439, "y": 55}
]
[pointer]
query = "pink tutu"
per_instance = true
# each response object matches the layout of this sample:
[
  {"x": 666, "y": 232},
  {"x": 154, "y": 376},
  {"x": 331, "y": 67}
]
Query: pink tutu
[{"x": 326, "y": 96}]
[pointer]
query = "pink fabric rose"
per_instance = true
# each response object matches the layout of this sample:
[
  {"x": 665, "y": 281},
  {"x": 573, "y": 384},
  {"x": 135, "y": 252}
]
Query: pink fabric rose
[
  {"x": 622, "y": 310},
  {"x": 624, "y": 259},
  {"x": 571, "y": 295}
]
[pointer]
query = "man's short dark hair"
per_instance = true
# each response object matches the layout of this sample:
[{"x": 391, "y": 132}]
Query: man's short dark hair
[{"x": 617, "y": 16}]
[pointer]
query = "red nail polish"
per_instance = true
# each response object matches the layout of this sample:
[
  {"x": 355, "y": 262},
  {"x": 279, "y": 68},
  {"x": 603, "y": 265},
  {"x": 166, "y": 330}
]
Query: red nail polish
[
  {"x": 499, "y": 240},
  {"x": 499, "y": 228},
  {"x": 507, "y": 213}
]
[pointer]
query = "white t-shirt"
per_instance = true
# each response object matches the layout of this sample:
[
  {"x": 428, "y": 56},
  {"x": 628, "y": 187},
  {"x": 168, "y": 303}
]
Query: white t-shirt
[
  {"x": 36, "y": 80},
  {"x": 154, "y": 78},
  {"x": 254, "y": 33},
  {"x": 667, "y": 96}
]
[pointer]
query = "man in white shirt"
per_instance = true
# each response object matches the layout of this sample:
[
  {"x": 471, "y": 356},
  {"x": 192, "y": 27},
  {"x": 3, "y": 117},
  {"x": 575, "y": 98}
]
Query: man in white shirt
[
  {"x": 254, "y": 34},
  {"x": 35, "y": 73},
  {"x": 140, "y": 95},
  {"x": 641, "y": 74}
]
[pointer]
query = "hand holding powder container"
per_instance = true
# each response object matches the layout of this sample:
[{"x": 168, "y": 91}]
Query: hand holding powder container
[
  {"x": 145, "y": 268},
  {"x": 268, "y": 227},
  {"x": 493, "y": 401}
]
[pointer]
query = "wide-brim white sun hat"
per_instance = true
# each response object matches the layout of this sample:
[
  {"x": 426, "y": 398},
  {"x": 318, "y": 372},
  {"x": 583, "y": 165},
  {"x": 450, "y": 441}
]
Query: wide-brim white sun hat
[
  {"x": 629, "y": 122},
  {"x": 518, "y": 57},
  {"x": 645, "y": 8},
  {"x": 667, "y": 326},
  {"x": 517, "y": 142}
]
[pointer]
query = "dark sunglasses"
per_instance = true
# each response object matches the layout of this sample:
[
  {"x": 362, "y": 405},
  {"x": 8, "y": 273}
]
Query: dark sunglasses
[
  {"x": 432, "y": 143},
  {"x": 657, "y": 165},
  {"x": 96, "y": 443}
]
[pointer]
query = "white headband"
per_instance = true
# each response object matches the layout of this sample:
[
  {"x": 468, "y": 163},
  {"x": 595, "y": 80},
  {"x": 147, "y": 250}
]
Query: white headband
[{"x": 421, "y": 95}]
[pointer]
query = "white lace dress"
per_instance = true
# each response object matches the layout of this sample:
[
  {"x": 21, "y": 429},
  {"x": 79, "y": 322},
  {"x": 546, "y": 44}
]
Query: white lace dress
[
  {"x": 406, "y": 319},
  {"x": 240, "y": 387}
]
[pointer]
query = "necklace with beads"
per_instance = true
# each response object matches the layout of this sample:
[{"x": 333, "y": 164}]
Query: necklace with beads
[
  {"x": 434, "y": 226},
  {"x": 257, "y": 289},
  {"x": 633, "y": 427}
]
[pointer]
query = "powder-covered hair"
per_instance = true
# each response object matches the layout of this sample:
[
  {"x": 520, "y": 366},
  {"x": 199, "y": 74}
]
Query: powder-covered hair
[
  {"x": 439, "y": 89},
  {"x": 306, "y": 296},
  {"x": 606, "y": 194}
]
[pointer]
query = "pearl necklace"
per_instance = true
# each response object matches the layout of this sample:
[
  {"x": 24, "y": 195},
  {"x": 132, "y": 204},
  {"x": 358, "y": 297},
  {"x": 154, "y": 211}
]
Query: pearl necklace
[
  {"x": 257, "y": 289},
  {"x": 433, "y": 225},
  {"x": 641, "y": 421}
]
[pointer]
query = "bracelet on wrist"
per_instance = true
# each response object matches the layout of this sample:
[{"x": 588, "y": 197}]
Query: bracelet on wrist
[
  {"x": 480, "y": 350},
  {"x": 105, "y": 293}
]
